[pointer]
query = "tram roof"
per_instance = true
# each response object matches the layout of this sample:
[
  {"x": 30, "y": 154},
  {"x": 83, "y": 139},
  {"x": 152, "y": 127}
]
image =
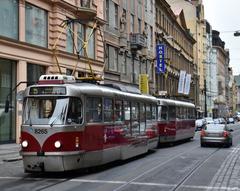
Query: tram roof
[
  {"x": 174, "y": 102},
  {"x": 78, "y": 89}
]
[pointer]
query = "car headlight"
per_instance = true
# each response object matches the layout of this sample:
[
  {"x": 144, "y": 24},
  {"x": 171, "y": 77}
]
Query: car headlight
[
  {"x": 57, "y": 144},
  {"x": 24, "y": 144}
]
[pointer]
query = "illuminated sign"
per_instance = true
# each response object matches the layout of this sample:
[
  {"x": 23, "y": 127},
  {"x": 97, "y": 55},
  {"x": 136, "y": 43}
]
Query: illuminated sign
[{"x": 47, "y": 91}]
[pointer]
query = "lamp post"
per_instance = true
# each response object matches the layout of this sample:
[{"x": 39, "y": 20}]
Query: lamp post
[{"x": 205, "y": 100}]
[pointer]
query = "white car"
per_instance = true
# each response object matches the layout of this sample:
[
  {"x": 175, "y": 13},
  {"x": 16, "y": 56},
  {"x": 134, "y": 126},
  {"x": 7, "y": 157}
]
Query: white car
[
  {"x": 209, "y": 120},
  {"x": 199, "y": 124}
]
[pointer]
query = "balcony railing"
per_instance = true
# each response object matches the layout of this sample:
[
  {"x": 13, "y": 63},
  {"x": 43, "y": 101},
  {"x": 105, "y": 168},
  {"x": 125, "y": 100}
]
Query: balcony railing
[{"x": 137, "y": 41}]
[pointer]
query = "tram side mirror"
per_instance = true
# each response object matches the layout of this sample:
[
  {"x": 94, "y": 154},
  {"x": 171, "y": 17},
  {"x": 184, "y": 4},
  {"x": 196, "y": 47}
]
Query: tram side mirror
[
  {"x": 20, "y": 96},
  {"x": 7, "y": 106}
]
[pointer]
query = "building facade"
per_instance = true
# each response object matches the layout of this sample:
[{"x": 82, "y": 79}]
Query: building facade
[
  {"x": 222, "y": 60},
  {"x": 129, "y": 34},
  {"x": 237, "y": 80},
  {"x": 210, "y": 72},
  {"x": 38, "y": 37},
  {"x": 172, "y": 32},
  {"x": 194, "y": 15}
]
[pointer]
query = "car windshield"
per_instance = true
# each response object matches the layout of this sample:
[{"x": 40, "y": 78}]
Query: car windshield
[
  {"x": 43, "y": 111},
  {"x": 215, "y": 127}
]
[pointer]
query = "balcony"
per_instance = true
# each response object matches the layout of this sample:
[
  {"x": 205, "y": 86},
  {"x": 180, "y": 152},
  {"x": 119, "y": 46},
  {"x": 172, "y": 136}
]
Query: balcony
[
  {"x": 137, "y": 41},
  {"x": 86, "y": 10}
]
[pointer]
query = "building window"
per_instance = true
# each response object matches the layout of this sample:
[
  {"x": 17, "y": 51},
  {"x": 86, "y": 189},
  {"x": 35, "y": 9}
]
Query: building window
[
  {"x": 151, "y": 36},
  {"x": 116, "y": 15},
  {"x": 85, "y": 3},
  {"x": 90, "y": 38},
  {"x": 69, "y": 38},
  {"x": 132, "y": 4},
  {"x": 81, "y": 38},
  {"x": 34, "y": 71},
  {"x": 112, "y": 58},
  {"x": 107, "y": 11},
  {"x": 139, "y": 25},
  {"x": 146, "y": 6},
  {"x": 36, "y": 25},
  {"x": 151, "y": 7},
  {"x": 112, "y": 14},
  {"x": 9, "y": 18},
  {"x": 69, "y": 72},
  {"x": 132, "y": 23},
  {"x": 124, "y": 63}
]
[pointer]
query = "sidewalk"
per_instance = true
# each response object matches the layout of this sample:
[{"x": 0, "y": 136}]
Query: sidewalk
[{"x": 9, "y": 152}]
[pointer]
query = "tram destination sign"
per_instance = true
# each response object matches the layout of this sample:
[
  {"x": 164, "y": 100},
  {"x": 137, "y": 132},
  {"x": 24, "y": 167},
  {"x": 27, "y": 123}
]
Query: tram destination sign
[{"x": 47, "y": 90}]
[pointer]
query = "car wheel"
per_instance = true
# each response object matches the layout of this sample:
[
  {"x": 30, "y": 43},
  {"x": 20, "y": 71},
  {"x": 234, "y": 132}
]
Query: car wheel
[{"x": 203, "y": 145}]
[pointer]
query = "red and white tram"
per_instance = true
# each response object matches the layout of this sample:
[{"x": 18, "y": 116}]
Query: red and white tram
[
  {"x": 176, "y": 120},
  {"x": 68, "y": 125}
]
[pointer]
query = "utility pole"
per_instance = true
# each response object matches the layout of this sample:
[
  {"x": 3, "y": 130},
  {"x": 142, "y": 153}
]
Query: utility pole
[{"x": 205, "y": 96}]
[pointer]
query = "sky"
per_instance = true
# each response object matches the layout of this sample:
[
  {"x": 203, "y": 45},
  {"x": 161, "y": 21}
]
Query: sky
[{"x": 224, "y": 16}]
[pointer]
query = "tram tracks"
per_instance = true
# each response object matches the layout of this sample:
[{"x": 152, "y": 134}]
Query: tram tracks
[
  {"x": 193, "y": 170},
  {"x": 123, "y": 184},
  {"x": 185, "y": 178},
  {"x": 160, "y": 164}
]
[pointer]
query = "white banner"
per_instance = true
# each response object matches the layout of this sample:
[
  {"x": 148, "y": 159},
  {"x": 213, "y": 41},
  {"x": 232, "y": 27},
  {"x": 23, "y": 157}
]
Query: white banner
[
  {"x": 187, "y": 84},
  {"x": 181, "y": 81}
]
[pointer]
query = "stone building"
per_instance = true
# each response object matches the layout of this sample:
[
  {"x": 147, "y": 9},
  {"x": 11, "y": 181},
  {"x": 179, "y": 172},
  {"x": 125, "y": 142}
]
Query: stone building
[
  {"x": 33, "y": 34},
  {"x": 129, "y": 41},
  {"x": 237, "y": 80},
  {"x": 172, "y": 32},
  {"x": 222, "y": 62},
  {"x": 210, "y": 72},
  {"x": 194, "y": 15}
]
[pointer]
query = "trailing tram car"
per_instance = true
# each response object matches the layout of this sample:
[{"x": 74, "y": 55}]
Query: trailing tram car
[
  {"x": 68, "y": 125},
  {"x": 176, "y": 120}
]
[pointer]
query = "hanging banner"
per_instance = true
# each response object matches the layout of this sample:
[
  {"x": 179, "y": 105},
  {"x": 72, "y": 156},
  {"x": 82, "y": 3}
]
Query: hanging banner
[
  {"x": 187, "y": 84},
  {"x": 160, "y": 57},
  {"x": 181, "y": 81},
  {"x": 143, "y": 83}
]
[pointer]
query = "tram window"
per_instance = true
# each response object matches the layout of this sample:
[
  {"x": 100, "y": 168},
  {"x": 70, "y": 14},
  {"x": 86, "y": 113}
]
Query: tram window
[
  {"x": 162, "y": 113},
  {"x": 108, "y": 109},
  {"x": 74, "y": 111},
  {"x": 172, "y": 112},
  {"x": 154, "y": 112},
  {"x": 43, "y": 111},
  {"x": 148, "y": 112},
  {"x": 126, "y": 107},
  {"x": 94, "y": 109},
  {"x": 126, "y": 111},
  {"x": 191, "y": 113},
  {"x": 135, "y": 117},
  {"x": 142, "y": 117},
  {"x": 118, "y": 110}
]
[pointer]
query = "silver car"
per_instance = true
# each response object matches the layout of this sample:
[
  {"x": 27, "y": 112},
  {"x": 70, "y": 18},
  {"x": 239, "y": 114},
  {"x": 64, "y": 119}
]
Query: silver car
[{"x": 216, "y": 133}]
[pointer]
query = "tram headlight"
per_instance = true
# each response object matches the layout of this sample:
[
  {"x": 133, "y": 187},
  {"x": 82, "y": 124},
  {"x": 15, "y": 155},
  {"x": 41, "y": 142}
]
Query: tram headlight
[
  {"x": 57, "y": 144},
  {"x": 24, "y": 144}
]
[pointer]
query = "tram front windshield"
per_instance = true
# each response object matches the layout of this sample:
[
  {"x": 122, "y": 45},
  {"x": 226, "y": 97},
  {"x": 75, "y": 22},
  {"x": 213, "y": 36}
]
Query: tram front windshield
[{"x": 43, "y": 111}]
